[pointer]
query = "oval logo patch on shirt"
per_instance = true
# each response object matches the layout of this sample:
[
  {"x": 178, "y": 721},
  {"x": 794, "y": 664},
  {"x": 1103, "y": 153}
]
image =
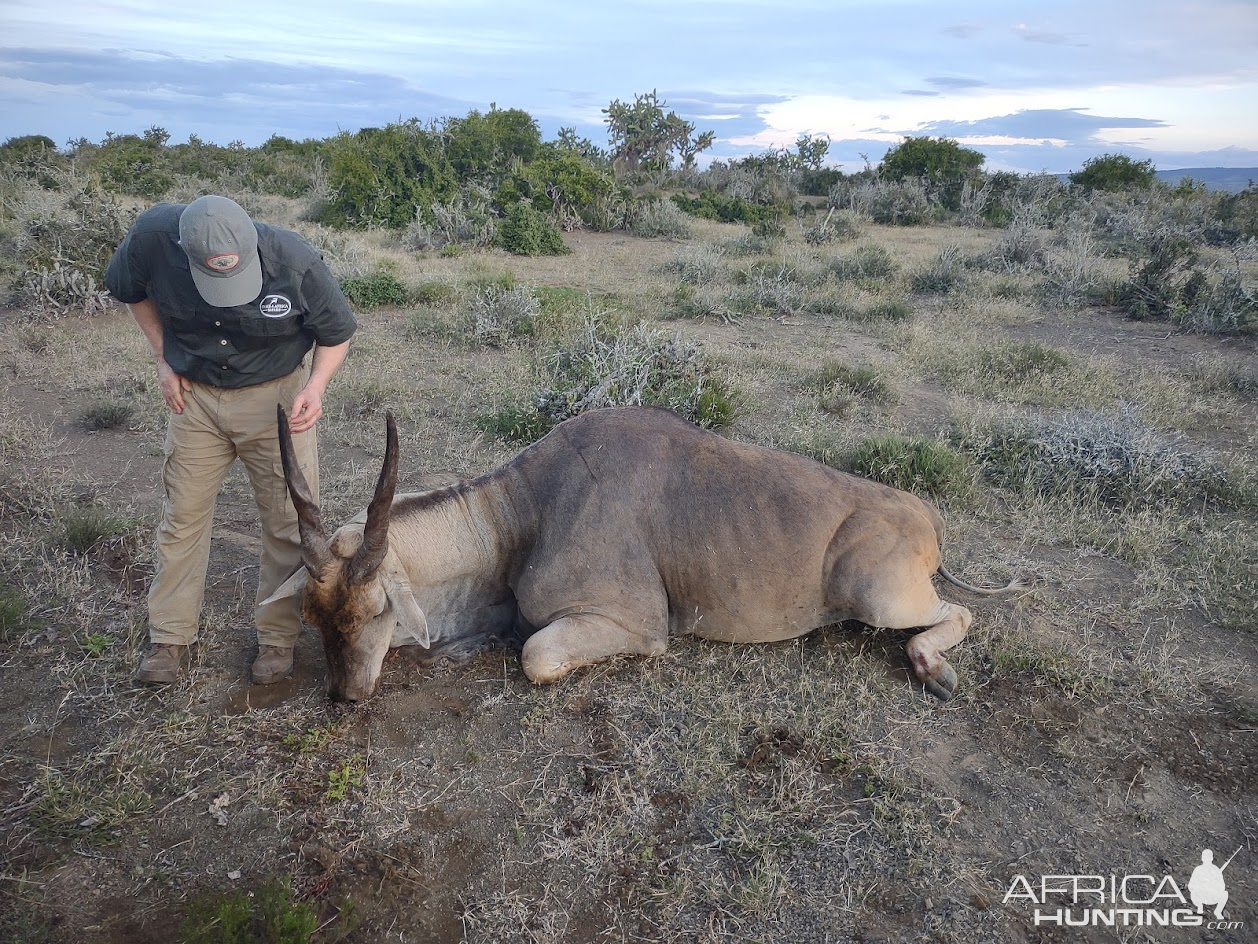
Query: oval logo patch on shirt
[{"x": 275, "y": 306}]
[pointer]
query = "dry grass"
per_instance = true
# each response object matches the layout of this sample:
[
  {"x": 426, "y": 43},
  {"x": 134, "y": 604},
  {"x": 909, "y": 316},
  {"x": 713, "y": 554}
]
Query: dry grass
[{"x": 790, "y": 793}]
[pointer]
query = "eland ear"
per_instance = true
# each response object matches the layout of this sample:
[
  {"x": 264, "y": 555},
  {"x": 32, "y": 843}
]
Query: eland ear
[
  {"x": 412, "y": 625},
  {"x": 291, "y": 587}
]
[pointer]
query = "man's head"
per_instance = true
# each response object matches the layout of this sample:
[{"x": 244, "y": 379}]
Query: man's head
[{"x": 221, "y": 243}]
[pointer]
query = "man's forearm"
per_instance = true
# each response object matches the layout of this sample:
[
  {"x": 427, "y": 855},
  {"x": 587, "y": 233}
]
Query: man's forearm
[
  {"x": 325, "y": 363},
  {"x": 145, "y": 315}
]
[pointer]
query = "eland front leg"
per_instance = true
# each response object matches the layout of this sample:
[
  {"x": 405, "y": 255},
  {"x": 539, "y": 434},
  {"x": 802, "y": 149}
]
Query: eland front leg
[{"x": 587, "y": 638}]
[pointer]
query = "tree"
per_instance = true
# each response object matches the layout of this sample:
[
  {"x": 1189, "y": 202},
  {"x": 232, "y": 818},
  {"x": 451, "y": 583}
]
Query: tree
[
  {"x": 812, "y": 151},
  {"x": 643, "y": 137},
  {"x": 1113, "y": 172},
  {"x": 941, "y": 163}
]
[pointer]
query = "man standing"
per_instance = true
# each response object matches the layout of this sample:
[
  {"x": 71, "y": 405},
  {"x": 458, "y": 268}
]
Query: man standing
[{"x": 230, "y": 309}]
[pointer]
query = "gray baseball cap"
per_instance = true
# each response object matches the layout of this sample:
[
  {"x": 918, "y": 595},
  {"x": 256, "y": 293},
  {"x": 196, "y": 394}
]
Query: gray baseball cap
[{"x": 221, "y": 243}]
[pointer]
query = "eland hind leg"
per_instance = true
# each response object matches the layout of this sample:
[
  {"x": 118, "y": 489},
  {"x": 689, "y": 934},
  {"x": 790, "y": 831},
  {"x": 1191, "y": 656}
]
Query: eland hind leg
[{"x": 887, "y": 605}]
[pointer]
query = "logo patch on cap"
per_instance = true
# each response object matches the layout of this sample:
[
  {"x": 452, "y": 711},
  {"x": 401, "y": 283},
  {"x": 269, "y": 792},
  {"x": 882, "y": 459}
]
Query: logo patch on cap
[
  {"x": 224, "y": 262},
  {"x": 275, "y": 306}
]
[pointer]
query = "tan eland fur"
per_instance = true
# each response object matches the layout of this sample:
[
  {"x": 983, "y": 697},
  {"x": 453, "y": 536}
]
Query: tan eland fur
[{"x": 617, "y": 529}]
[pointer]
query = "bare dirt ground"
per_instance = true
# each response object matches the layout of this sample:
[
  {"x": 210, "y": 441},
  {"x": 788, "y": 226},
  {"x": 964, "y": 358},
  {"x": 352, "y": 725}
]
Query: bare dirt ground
[{"x": 1105, "y": 725}]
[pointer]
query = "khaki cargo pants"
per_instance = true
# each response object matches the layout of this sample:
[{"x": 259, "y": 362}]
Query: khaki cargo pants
[{"x": 217, "y": 427}]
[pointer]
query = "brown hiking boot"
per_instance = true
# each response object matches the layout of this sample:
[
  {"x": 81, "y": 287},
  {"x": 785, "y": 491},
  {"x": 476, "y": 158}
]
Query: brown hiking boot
[
  {"x": 272, "y": 664},
  {"x": 161, "y": 664}
]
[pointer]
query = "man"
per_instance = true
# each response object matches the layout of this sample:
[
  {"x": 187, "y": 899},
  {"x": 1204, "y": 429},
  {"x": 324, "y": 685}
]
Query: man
[{"x": 230, "y": 309}]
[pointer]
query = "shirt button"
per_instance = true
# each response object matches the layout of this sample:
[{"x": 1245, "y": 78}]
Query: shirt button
[
  {"x": 218, "y": 324},
  {"x": 223, "y": 342}
]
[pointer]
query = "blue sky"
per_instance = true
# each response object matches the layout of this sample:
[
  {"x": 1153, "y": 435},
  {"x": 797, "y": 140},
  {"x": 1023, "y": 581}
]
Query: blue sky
[{"x": 1034, "y": 86}]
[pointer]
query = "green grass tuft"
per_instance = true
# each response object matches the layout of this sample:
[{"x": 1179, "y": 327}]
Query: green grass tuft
[{"x": 914, "y": 465}]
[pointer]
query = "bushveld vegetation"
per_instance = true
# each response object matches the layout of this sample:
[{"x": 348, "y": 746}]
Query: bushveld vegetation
[{"x": 1067, "y": 368}]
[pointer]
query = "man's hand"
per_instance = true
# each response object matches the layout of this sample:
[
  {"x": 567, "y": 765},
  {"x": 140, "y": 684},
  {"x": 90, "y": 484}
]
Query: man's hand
[
  {"x": 173, "y": 385},
  {"x": 307, "y": 408}
]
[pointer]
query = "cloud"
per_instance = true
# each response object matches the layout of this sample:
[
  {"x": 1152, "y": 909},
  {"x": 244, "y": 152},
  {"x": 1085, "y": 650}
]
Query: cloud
[
  {"x": 1073, "y": 126},
  {"x": 1045, "y": 36},
  {"x": 955, "y": 82}
]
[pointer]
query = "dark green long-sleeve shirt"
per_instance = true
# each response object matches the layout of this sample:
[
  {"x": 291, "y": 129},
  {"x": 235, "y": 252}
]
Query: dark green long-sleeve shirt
[{"x": 300, "y": 305}]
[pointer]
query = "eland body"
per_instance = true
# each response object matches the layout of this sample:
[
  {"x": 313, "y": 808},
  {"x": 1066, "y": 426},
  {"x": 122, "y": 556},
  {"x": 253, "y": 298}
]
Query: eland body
[{"x": 617, "y": 528}]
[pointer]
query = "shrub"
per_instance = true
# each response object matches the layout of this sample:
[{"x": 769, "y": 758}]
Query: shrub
[
  {"x": 65, "y": 240},
  {"x": 658, "y": 218},
  {"x": 943, "y": 275},
  {"x": 869, "y": 262},
  {"x": 466, "y": 220},
  {"x": 378, "y": 176},
  {"x": 1112, "y": 172},
  {"x": 893, "y": 310},
  {"x": 700, "y": 303},
  {"x": 1102, "y": 457},
  {"x": 896, "y": 202},
  {"x": 374, "y": 290},
  {"x": 495, "y": 314},
  {"x": 711, "y": 205},
  {"x": 1072, "y": 269},
  {"x": 774, "y": 286},
  {"x": 611, "y": 364},
  {"x": 434, "y": 294},
  {"x": 527, "y": 232},
  {"x": 106, "y": 414},
  {"x": 1215, "y": 304},
  {"x": 942, "y": 164},
  {"x": 698, "y": 264},
  {"x": 831, "y": 228},
  {"x": 914, "y": 465},
  {"x": 1237, "y": 215}
]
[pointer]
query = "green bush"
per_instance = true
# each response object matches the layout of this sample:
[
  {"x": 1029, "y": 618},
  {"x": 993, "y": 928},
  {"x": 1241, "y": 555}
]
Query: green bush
[
  {"x": 378, "y": 176},
  {"x": 710, "y": 205},
  {"x": 526, "y": 232},
  {"x": 914, "y": 465},
  {"x": 1113, "y": 172},
  {"x": 434, "y": 294},
  {"x": 942, "y": 164},
  {"x": 133, "y": 165},
  {"x": 372, "y": 291}
]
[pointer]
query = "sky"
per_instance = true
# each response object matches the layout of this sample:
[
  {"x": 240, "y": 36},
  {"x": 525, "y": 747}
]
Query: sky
[{"x": 1035, "y": 87}]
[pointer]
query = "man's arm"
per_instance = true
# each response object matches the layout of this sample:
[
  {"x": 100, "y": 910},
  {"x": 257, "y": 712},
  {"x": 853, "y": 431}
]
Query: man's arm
[
  {"x": 308, "y": 406},
  {"x": 172, "y": 384}
]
